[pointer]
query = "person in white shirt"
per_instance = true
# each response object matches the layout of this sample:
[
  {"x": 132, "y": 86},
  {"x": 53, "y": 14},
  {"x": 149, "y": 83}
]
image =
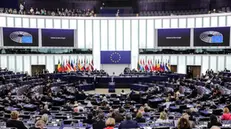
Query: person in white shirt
[
  {"x": 31, "y": 10},
  {"x": 89, "y": 104},
  {"x": 21, "y": 7}
]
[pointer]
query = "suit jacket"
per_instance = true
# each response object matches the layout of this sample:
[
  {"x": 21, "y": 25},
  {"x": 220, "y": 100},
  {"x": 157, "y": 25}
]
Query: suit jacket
[
  {"x": 44, "y": 112},
  {"x": 99, "y": 124},
  {"x": 128, "y": 124},
  {"x": 15, "y": 123},
  {"x": 88, "y": 121},
  {"x": 214, "y": 124},
  {"x": 140, "y": 120}
]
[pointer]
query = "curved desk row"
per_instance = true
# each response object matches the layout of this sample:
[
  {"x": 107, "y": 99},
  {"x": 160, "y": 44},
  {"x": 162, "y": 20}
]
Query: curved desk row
[{"x": 120, "y": 81}]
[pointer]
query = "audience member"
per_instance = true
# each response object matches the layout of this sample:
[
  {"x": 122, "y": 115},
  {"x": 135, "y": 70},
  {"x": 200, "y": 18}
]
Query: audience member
[
  {"x": 186, "y": 116},
  {"x": 163, "y": 118},
  {"x": 89, "y": 104},
  {"x": 89, "y": 119},
  {"x": 226, "y": 115},
  {"x": 215, "y": 127},
  {"x": 45, "y": 110},
  {"x": 40, "y": 124},
  {"x": 45, "y": 118},
  {"x": 117, "y": 116},
  {"x": 141, "y": 110},
  {"x": 183, "y": 124},
  {"x": 31, "y": 11},
  {"x": 213, "y": 121},
  {"x": 14, "y": 122},
  {"x": 128, "y": 123},
  {"x": 139, "y": 117},
  {"x": 99, "y": 123},
  {"x": 43, "y": 11},
  {"x": 110, "y": 123},
  {"x": 76, "y": 108}
]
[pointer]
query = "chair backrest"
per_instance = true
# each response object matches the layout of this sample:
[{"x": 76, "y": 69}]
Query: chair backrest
[
  {"x": 203, "y": 119},
  {"x": 163, "y": 127}
]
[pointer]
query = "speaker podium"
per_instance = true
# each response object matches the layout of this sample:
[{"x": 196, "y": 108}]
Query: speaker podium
[{"x": 111, "y": 87}]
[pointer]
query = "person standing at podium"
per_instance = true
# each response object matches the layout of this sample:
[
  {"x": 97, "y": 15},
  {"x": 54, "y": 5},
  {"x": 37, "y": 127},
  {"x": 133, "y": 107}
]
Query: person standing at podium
[
  {"x": 112, "y": 78},
  {"x": 95, "y": 80},
  {"x": 111, "y": 85}
]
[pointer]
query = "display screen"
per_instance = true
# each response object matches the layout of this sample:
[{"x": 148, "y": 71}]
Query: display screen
[
  {"x": 20, "y": 37},
  {"x": 173, "y": 37},
  {"x": 57, "y": 38},
  {"x": 212, "y": 36}
]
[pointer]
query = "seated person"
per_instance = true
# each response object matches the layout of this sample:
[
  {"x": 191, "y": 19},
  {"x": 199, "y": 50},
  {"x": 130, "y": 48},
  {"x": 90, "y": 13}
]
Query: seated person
[
  {"x": 163, "y": 118},
  {"x": 183, "y": 124},
  {"x": 117, "y": 116},
  {"x": 68, "y": 106},
  {"x": 213, "y": 121},
  {"x": 78, "y": 108},
  {"x": 89, "y": 104},
  {"x": 45, "y": 118},
  {"x": 89, "y": 119},
  {"x": 177, "y": 95},
  {"x": 110, "y": 123},
  {"x": 45, "y": 110},
  {"x": 141, "y": 110},
  {"x": 39, "y": 125},
  {"x": 14, "y": 122},
  {"x": 99, "y": 123},
  {"x": 226, "y": 115},
  {"x": 139, "y": 118},
  {"x": 187, "y": 116},
  {"x": 128, "y": 123}
]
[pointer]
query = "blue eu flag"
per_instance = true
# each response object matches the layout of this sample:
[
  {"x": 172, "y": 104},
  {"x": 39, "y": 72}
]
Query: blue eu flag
[{"x": 115, "y": 57}]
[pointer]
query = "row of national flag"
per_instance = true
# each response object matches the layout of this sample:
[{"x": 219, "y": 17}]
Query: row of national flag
[
  {"x": 75, "y": 65},
  {"x": 151, "y": 65}
]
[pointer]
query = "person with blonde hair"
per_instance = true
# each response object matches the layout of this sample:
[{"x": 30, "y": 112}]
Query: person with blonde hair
[
  {"x": 183, "y": 124},
  {"x": 110, "y": 123},
  {"x": 139, "y": 118},
  {"x": 215, "y": 127},
  {"x": 45, "y": 118},
  {"x": 14, "y": 122},
  {"x": 141, "y": 110},
  {"x": 226, "y": 115},
  {"x": 163, "y": 118},
  {"x": 40, "y": 124}
]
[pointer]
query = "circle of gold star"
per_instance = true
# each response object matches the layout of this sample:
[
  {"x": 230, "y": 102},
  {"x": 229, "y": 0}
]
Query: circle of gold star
[{"x": 115, "y": 54}]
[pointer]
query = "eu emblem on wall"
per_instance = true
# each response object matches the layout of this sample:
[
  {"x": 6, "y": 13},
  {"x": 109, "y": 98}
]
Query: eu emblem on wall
[{"x": 115, "y": 57}]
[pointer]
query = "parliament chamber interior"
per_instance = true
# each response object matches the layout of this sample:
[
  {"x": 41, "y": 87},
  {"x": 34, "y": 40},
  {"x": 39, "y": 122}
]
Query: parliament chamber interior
[{"x": 115, "y": 64}]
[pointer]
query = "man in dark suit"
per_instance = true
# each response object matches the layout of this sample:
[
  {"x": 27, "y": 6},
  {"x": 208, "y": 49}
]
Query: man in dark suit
[
  {"x": 14, "y": 122},
  {"x": 100, "y": 123},
  {"x": 128, "y": 123}
]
